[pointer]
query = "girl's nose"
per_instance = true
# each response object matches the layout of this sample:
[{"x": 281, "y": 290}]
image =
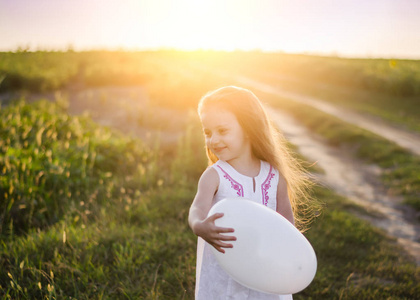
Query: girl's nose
[{"x": 214, "y": 139}]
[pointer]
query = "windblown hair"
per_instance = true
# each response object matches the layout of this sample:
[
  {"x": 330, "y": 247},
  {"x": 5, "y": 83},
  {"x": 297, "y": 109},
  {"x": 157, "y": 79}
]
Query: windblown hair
[{"x": 267, "y": 143}]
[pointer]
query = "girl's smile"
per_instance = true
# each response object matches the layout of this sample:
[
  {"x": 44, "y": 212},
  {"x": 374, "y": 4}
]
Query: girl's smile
[{"x": 218, "y": 149}]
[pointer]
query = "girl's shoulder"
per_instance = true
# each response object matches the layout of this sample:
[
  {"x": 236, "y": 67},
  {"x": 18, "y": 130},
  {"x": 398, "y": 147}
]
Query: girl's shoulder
[
  {"x": 209, "y": 173},
  {"x": 209, "y": 180}
]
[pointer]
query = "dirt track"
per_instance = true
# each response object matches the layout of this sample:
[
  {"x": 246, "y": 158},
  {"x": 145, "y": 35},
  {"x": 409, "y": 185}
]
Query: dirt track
[{"x": 356, "y": 181}]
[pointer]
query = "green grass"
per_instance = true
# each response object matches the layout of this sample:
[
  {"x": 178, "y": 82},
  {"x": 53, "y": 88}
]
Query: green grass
[
  {"x": 112, "y": 244},
  {"x": 356, "y": 260},
  {"x": 135, "y": 243},
  {"x": 135, "y": 252},
  {"x": 38, "y": 71},
  {"x": 53, "y": 164}
]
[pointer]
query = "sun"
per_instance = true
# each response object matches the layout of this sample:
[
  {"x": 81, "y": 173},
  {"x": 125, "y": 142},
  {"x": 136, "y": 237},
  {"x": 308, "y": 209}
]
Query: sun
[{"x": 200, "y": 24}]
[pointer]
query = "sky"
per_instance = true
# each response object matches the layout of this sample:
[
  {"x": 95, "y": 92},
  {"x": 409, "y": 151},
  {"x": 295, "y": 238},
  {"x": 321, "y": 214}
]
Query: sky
[{"x": 348, "y": 28}]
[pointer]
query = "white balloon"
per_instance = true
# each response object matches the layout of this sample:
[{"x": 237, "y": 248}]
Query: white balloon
[{"x": 270, "y": 255}]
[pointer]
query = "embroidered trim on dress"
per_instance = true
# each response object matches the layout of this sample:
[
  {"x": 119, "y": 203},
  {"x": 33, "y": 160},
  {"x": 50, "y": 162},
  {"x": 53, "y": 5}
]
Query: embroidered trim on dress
[
  {"x": 265, "y": 186},
  {"x": 234, "y": 184}
]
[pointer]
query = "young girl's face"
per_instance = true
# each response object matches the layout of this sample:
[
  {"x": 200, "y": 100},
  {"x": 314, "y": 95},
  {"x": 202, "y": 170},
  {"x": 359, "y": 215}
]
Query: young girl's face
[{"x": 224, "y": 136}]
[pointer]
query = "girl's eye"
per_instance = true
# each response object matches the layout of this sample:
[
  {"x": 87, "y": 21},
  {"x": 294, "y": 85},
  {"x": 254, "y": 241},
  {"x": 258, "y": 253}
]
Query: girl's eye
[
  {"x": 222, "y": 130},
  {"x": 207, "y": 133}
]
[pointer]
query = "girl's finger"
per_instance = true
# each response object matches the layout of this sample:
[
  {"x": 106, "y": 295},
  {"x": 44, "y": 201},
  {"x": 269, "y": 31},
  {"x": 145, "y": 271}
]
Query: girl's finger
[
  {"x": 222, "y": 237},
  {"x": 224, "y": 229},
  {"x": 223, "y": 245},
  {"x": 217, "y": 247},
  {"x": 216, "y": 216}
]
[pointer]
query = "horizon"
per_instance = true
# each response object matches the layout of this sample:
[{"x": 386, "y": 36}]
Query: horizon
[
  {"x": 20, "y": 49},
  {"x": 349, "y": 29}
]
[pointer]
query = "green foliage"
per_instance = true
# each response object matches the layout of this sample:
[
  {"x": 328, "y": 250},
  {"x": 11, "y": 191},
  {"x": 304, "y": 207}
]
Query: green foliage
[
  {"x": 37, "y": 71},
  {"x": 121, "y": 233},
  {"x": 52, "y": 164},
  {"x": 148, "y": 255}
]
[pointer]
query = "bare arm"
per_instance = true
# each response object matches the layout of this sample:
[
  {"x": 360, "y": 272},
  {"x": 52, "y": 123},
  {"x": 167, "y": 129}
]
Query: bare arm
[
  {"x": 202, "y": 225},
  {"x": 283, "y": 203}
]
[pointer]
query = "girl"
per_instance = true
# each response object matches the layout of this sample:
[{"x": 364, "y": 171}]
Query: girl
[{"x": 247, "y": 158}]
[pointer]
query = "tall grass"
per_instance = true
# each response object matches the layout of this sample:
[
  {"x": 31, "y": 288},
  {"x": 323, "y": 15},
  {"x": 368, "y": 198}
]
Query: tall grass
[
  {"x": 119, "y": 225},
  {"x": 53, "y": 164},
  {"x": 37, "y": 71}
]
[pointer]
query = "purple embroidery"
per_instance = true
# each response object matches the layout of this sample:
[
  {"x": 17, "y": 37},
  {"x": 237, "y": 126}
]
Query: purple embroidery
[
  {"x": 234, "y": 184},
  {"x": 266, "y": 185}
]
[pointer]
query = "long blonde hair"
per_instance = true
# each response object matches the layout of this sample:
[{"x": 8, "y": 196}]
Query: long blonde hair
[{"x": 267, "y": 143}]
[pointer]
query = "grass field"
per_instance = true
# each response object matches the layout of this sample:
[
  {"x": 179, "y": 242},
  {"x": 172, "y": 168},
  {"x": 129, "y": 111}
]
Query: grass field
[{"x": 89, "y": 213}]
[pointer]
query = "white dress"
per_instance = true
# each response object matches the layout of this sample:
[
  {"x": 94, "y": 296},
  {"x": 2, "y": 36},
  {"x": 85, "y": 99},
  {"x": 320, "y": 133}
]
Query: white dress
[{"x": 212, "y": 282}]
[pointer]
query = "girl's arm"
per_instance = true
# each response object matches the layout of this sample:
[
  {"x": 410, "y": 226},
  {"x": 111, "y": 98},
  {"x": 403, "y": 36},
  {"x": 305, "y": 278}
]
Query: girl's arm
[
  {"x": 283, "y": 203},
  {"x": 202, "y": 225}
]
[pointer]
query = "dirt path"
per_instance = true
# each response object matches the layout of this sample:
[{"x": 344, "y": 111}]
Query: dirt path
[
  {"x": 408, "y": 140},
  {"x": 356, "y": 181}
]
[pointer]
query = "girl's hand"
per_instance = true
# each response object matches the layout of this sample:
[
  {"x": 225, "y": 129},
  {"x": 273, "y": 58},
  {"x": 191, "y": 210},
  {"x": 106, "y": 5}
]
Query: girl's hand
[
  {"x": 202, "y": 225},
  {"x": 212, "y": 234}
]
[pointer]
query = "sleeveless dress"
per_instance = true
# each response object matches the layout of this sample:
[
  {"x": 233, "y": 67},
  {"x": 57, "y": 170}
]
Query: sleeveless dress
[{"x": 212, "y": 282}]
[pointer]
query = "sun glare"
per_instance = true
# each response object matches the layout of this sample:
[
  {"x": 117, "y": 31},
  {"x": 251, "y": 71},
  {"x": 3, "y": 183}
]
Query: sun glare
[{"x": 200, "y": 24}]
